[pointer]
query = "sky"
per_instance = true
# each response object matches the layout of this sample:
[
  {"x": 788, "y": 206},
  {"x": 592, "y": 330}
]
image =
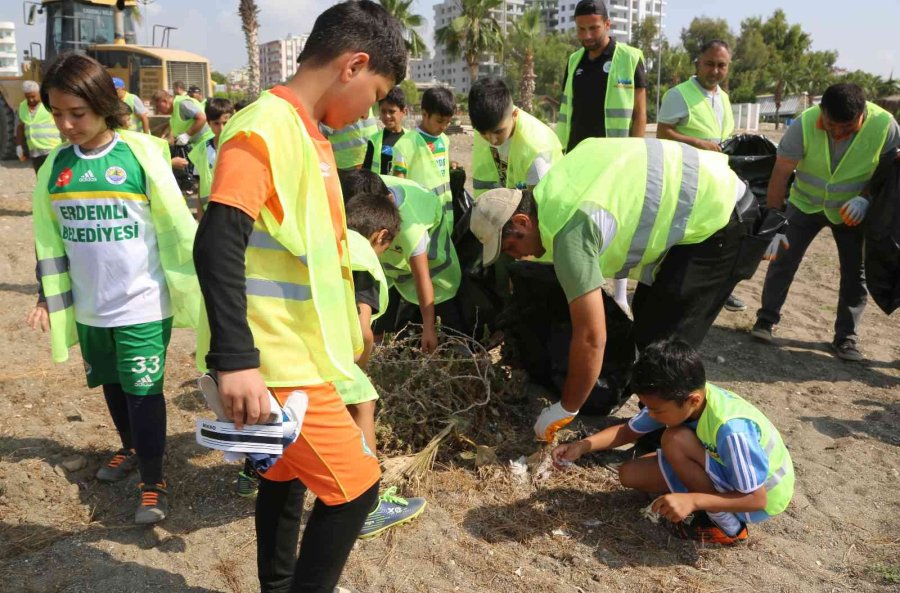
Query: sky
[{"x": 861, "y": 35}]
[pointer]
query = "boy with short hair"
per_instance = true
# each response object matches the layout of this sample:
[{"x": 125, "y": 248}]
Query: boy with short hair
[
  {"x": 421, "y": 264},
  {"x": 278, "y": 288},
  {"x": 424, "y": 157},
  {"x": 513, "y": 149},
  {"x": 203, "y": 155},
  {"x": 719, "y": 453},
  {"x": 372, "y": 224},
  {"x": 380, "y": 153}
]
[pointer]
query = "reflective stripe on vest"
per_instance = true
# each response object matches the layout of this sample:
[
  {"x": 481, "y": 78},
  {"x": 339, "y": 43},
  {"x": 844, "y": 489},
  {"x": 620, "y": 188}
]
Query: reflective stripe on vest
[
  {"x": 531, "y": 138},
  {"x": 619, "y": 103},
  {"x": 41, "y": 133},
  {"x": 702, "y": 122},
  {"x": 722, "y": 406},
  {"x": 673, "y": 194},
  {"x": 816, "y": 187},
  {"x": 349, "y": 143},
  {"x": 300, "y": 304}
]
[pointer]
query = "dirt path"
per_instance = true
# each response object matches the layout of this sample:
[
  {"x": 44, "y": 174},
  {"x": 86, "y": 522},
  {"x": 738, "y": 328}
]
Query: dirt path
[{"x": 61, "y": 531}]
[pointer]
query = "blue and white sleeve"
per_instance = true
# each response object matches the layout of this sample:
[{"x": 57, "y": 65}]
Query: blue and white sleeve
[
  {"x": 739, "y": 448},
  {"x": 642, "y": 422}
]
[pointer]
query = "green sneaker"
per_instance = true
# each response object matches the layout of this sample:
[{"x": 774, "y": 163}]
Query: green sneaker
[
  {"x": 154, "y": 504},
  {"x": 118, "y": 468},
  {"x": 392, "y": 510},
  {"x": 247, "y": 484}
]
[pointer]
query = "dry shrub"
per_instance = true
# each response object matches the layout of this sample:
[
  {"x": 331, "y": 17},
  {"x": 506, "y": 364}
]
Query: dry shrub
[{"x": 421, "y": 394}]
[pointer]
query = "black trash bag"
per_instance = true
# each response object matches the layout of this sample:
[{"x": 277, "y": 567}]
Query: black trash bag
[
  {"x": 752, "y": 157},
  {"x": 540, "y": 331},
  {"x": 882, "y": 232},
  {"x": 462, "y": 201},
  {"x": 479, "y": 302},
  {"x": 187, "y": 183}
]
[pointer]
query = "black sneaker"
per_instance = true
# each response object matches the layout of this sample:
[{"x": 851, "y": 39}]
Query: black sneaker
[
  {"x": 118, "y": 468},
  {"x": 732, "y": 303},
  {"x": 762, "y": 331},
  {"x": 846, "y": 350},
  {"x": 154, "y": 504}
]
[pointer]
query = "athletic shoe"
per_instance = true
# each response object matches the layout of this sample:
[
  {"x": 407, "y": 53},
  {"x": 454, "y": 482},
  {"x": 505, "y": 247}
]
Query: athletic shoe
[
  {"x": 732, "y": 303},
  {"x": 118, "y": 468},
  {"x": 846, "y": 350},
  {"x": 154, "y": 504},
  {"x": 762, "y": 331},
  {"x": 703, "y": 530},
  {"x": 392, "y": 510},
  {"x": 247, "y": 484},
  {"x": 340, "y": 589}
]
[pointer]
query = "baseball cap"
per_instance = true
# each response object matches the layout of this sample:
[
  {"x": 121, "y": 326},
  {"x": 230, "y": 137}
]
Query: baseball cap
[
  {"x": 194, "y": 89},
  {"x": 491, "y": 211},
  {"x": 118, "y": 82}
]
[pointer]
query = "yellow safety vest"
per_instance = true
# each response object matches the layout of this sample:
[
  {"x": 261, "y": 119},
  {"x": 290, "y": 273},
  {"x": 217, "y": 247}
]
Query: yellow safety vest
[
  {"x": 200, "y": 159},
  {"x": 702, "y": 122},
  {"x": 672, "y": 194},
  {"x": 300, "y": 303},
  {"x": 423, "y": 170},
  {"x": 349, "y": 143},
  {"x": 179, "y": 125},
  {"x": 816, "y": 187},
  {"x": 376, "y": 140},
  {"x": 619, "y": 104},
  {"x": 531, "y": 138},
  {"x": 40, "y": 130},
  {"x": 135, "y": 122},
  {"x": 722, "y": 406},
  {"x": 172, "y": 222}
]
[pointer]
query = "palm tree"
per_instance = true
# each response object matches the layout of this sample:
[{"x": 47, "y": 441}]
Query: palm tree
[
  {"x": 400, "y": 10},
  {"x": 473, "y": 34},
  {"x": 527, "y": 32},
  {"x": 248, "y": 11}
]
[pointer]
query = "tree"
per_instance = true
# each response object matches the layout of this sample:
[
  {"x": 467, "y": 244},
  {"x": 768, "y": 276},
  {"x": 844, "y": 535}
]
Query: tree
[
  {"x": 788, "y": 44},
  {"x": 645, "y": 36},
  {"x": 218, "y": 77},
  {"x": 410, "y": 92},
  {"x": 472, "y": 35},
  {"x": 400, "y": 10},
  {"x": 550, "y": 55},
  {"x": 703, "y": 29},
  {"x": 527, "y": 33},
  {"x": 249, "y": 11}
]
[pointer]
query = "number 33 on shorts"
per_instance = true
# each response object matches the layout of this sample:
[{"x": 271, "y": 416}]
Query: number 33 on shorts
[{"x": 145, "y": 364}]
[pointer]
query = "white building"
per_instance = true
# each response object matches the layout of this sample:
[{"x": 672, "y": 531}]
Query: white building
[
  {"x": 421, "y": 69},
  {"x": 9, "y": 61},
  {"x": 622, "y": 15},
  {"x": 278, "y": 59},
  {"x": 455, "y": 73}
]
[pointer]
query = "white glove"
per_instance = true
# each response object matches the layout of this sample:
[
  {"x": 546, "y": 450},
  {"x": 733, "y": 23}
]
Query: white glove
[
  {"x": 183, "y": 139},
  {"x": 854, "y": 211},
  {"x": 552, "y": 418},
  {"x": 20, "y": 152},
  {"x": 777, "y": 241}
]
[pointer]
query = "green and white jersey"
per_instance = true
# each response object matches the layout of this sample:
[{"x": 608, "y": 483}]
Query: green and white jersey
[{"x": 103, "y": 211}]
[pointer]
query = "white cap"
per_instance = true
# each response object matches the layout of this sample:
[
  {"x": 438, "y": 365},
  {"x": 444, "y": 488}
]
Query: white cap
[{"x": 492, "y": 210}]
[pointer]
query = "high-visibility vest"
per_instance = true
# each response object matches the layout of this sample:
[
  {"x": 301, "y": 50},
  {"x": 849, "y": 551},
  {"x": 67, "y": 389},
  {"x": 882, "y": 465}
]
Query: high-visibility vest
[
  {"x": 135, "y": 123},
  {"x": 40, "y": 130},
  {"x": 363, "y": 258},
  {"x": 200, "y": 159},
  {"x": 300, "y": 303},
  {"x": 816, "y": 187},
  {"x": 179, "y": 125},
  {"x": 702, "y": 121},
  {"x": 421, "y": 212},
  {"x": 722, "y": 406},
  {"x": 660, "y": 193},
  {"x": 530, "y": 139},
  {"x": 376, "y": 140},
  {"x": 422, "y": 169},
  {"x": 619, "y": 103},
  {"x": 349, "y": 143},
  {"x": 172, "y": 222}
]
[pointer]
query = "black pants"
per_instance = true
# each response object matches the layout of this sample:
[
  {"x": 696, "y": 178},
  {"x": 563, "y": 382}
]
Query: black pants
[
  {"x": 694, "y": 281},
  {"x": 37, "y": 161},
  {"x": 140, "y": 421},
  {"x": 327, "y": 540}
]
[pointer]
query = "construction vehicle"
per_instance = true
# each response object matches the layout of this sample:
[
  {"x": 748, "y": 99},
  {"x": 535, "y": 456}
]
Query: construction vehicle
[{"x": 104, "y": 30}]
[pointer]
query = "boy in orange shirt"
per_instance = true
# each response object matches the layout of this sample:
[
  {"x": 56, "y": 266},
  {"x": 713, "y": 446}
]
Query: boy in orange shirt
[{"x": 279, "y": 295}]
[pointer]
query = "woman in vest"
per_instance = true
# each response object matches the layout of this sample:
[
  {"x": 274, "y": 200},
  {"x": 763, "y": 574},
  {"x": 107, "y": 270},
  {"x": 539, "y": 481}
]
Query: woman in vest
[
  {"x": 115, "y": 274},
  {"x": 36, "y": 134},
  {"x": 834, "y": 149}
]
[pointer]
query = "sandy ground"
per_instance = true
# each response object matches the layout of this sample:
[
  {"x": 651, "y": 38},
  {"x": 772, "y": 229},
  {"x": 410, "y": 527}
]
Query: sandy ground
[{"x": 61, "y": 531}]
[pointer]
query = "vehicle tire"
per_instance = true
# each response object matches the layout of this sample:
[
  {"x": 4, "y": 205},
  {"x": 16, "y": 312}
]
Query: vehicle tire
[{"x": 7, "y": 132}]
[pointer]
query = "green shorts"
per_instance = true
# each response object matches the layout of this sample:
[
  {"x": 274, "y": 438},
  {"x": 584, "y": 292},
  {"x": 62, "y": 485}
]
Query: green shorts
[
  {"x": 357, "y": 390},
  {"x": 132, "y": 355}
]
